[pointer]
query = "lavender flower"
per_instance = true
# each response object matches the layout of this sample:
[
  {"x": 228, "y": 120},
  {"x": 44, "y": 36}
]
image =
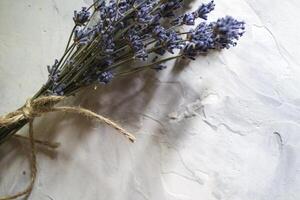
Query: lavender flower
[
  {"x": 53, "y": 68},
  {"x": 81, "y": 17},
  {"x": 200, "y": 41},
  {"x": 105, "y": 77},
  {"x": 111, "y": 9},
  {"x": 58, "y": 89},
  {"x": 53, "y": 71},
  {"x": 137, "y": 44},
  {"x": 167, "y": 39},
  {"x": 143, "y": 15},
  {"x": 227, "y": 31},
  {"x": 189, "y": 18},
  {"x": 217, "y": 35},
  {"x": 109, "y": 46},
  {"x": 124, "y": 5},
  {"x": 160, "y": 32},
  {"x": 204, "y": 9},
  {"x": 83, "y": 36}
]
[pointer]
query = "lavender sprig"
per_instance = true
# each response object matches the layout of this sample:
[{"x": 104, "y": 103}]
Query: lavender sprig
[{"x": 201, "y": 12}]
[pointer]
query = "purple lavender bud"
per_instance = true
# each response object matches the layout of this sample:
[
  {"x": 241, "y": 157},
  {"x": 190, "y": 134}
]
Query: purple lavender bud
[
  {"x": 202, "y": 37},
  {"x": 54, "y": 73},
  {"x": 102, "y": 9},
  {"x": 142, "y": 55},
  {"x": 83, "y": 36},
  {"x": 108, "y": 46},
  {"x": 99, "y": 3},
  {"x": 217, "y": 35},
  {"x": 143, "y": 15},
  {"x": 105, "y": 77},
  {"x": 160, "y": 33},
  {"x": 111, "y": 10},
  {"x": 123, "y": 6},
  {"x": 168, "y": 39},
  {"x": 227, "y": 31},
  {"x": 53, "y": 67},
  {"x": 173, "y": 41},
  {"x": 137, "y": 44},
  {"x": 188, "y": 19},
  {"x": 81, "y": 17},
  {"x": 204, "y": 9},
  {"x": 58, "y": 90}
]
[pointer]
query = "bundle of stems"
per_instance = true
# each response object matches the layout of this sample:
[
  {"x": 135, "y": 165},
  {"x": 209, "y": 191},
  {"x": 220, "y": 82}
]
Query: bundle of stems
[{"x": 120, "y": 37}]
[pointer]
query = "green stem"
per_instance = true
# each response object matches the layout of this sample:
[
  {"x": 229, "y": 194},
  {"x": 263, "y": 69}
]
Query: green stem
[
  {"x": 143, "y": 67},
  {"x": 70, "y": 38}
]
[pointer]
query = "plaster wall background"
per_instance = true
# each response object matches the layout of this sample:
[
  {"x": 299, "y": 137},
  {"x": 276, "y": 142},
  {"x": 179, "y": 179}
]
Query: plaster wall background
[{"x": 223, "y": 127}]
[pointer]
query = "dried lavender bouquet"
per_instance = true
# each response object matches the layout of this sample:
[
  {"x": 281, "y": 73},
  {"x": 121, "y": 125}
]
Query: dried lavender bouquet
[{"x": 128, "y": 36}]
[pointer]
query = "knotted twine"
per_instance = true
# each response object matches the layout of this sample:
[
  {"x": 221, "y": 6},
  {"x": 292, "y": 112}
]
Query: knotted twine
[{"x": 36, "y": 108}]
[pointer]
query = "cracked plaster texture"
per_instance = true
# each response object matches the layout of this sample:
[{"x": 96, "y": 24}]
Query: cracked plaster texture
[{"x": 223, "y": 127}]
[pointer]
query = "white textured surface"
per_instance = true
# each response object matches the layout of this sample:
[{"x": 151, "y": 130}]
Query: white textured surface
[{"x": 224, "y": 127}]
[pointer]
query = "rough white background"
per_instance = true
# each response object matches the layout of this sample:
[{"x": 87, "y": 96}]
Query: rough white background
[{"x": 224, "y": 127}]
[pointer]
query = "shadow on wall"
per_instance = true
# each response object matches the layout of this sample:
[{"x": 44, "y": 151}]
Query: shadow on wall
[{"x": 124, "y": 101}]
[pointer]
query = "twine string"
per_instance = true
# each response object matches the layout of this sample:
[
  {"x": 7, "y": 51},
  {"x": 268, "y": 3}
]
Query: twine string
[
  {"x": 37, "y": 107},
  {"x": 50, "y": 145}
]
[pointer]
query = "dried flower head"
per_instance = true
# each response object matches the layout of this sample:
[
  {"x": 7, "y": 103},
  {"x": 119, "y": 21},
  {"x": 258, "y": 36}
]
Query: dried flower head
[{"x": 132, "y": 31}]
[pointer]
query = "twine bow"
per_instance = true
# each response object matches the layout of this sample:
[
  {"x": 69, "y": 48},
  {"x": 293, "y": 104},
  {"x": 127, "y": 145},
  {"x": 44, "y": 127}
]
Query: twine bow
[{"x": 37, "y": 107}]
